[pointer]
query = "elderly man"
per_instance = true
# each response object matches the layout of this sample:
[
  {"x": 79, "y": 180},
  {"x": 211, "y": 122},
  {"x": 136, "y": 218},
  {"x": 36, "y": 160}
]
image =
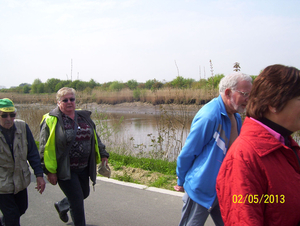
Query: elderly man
[
  {"x": 213, "y": 130},
  {"x": 16, "y": 147}
]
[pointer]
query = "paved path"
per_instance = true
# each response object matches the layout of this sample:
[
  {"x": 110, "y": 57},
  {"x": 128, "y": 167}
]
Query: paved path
[{"x": 113, "y": 203}]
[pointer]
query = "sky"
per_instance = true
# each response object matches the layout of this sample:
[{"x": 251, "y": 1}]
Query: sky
[{"x": 121, "y": 40}]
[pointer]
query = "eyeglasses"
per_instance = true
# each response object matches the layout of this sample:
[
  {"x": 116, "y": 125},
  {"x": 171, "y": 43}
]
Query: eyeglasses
[
  {"x": 243, "y": 93},
  {"x": 5, "y": 115},
  {"x": 66, "y": 100}
]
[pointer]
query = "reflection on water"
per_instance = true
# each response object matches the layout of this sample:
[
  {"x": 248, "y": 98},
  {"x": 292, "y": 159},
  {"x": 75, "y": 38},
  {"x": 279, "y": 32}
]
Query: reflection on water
[
  {"x": 138, "y": 127},
  {"x": 148, "y": 133}
]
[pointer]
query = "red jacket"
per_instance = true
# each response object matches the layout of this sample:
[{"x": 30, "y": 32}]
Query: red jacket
[{"x": 259, "y": 180}]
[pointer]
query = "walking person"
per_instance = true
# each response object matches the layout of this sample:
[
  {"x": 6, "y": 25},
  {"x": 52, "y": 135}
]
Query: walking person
[
  {"x": 259, "y": 180},
  {"x": 213, "y": 130},
  {"x": 70, "y": 149},
  {"x": 17, "y": 146}
]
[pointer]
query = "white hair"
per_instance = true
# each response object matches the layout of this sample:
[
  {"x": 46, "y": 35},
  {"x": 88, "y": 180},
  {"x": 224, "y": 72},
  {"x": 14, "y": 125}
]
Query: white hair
[{"x": 230, "y": 81}]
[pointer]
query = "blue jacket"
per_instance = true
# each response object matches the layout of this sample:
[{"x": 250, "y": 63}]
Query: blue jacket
[{"x": 200, "y": 159}]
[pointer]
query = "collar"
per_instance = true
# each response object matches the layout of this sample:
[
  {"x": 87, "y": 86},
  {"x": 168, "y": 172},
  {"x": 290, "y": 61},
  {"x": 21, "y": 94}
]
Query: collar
[
  {"x": 11, "y": 129},
  {"x": 276, "y": 127},
  {"x": 283, "y": 132},
  {"x": 223, "y": 108}
]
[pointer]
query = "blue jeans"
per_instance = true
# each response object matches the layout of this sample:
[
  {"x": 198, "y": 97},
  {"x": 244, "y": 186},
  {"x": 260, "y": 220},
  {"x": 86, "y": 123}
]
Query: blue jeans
[
  {"x": 194, "y": 214},
  {"x": 13, "y": 206},
  {"x": 76, "y": 190}
]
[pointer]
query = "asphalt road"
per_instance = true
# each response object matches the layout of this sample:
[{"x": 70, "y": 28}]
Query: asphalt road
[{"x": 113, "y": 203}]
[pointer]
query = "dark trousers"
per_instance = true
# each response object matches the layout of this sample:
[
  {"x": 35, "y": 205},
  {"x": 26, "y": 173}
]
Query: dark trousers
[
  {"x": 13, "y": 206},
  {"x": 76, "y": 190},
  {"x": 193, "y": 214}
]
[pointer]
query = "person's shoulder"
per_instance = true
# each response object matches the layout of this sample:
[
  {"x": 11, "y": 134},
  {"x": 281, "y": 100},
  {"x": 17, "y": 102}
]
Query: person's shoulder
[
  {"x": 210, "y": 110},
  {"x": 19, "y": 122},
  {"x": 54, "y": 112},
  {"x": 242, "y": 148}
]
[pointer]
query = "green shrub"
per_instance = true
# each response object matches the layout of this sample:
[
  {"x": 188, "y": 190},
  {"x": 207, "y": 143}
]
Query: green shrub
[{"x": 137, "y": 94}]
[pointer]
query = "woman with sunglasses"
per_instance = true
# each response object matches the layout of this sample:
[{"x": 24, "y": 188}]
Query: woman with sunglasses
[
  {"x": 70, "y": 149},
  {"x": 17, "y": 146}
]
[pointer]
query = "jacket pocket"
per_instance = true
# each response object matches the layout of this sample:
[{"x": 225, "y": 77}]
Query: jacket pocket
[
  {"x": 22, "y": 153},
  {"x": 6, "y": 181},
  {"x": 22, "y": 179}
]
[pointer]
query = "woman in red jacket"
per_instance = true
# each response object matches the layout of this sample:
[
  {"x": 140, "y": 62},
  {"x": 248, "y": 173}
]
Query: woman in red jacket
[{"x": 259, "y": 180}]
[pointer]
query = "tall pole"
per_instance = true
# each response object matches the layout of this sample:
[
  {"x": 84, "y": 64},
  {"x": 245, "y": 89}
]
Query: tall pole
[{"x": 71, "y": 70}]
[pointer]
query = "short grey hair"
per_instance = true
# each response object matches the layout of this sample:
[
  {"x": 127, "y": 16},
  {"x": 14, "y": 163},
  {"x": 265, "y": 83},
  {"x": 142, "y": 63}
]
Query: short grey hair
[
  {"x": 64, "y": 91},
  {"x": 230, "y": 81}
]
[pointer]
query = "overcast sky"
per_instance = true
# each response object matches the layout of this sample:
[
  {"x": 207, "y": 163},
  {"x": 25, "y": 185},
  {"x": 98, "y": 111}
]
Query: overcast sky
[{"x": 120, "y": 40}]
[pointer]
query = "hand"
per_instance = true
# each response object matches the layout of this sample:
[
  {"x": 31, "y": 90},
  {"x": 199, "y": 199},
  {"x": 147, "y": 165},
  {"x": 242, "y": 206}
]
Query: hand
[
  {"x": 103, "y": 160},
  {"x": 52, "y": 178},
  {"x": 40, "y": 184},
  {"x": 179, "y": 188}
]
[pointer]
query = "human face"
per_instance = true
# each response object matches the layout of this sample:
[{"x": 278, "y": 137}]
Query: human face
[
  {"x": 67, "y": 104},
  {"x": 289, "y": 116},
  {"x": 7, "y": 122},
  {"x": 240, "y": 96}
]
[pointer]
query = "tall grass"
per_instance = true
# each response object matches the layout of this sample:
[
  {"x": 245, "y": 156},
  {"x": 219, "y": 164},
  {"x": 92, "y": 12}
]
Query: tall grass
[
  {"x": 32, "y": 116},
  {"x": 156, "y": 97}
]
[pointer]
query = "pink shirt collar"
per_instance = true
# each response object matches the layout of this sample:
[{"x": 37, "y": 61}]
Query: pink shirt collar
[{"x": 273, "y": 132}]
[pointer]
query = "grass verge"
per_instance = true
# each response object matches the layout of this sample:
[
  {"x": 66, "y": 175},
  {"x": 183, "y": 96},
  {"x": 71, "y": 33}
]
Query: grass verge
[{"x": 150, "y": 172}]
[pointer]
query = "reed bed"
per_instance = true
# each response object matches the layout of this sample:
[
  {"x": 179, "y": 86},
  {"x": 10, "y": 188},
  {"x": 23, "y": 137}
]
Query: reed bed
[{"x": 155, "y": 97}]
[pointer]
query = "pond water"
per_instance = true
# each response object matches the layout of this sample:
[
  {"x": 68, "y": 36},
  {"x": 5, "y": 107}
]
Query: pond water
[
  {"x": 162, "y": 131},
  {"x": 157, "y": 134}
]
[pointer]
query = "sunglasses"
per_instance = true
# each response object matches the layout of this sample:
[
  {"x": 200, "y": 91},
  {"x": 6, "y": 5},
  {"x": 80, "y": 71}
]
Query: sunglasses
[
  {"x": 5, "y": 115},
  {"x": 66, "y": 100}
]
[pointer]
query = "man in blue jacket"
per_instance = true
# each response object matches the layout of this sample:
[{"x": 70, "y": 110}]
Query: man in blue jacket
[{"x": 214, "y": 128}]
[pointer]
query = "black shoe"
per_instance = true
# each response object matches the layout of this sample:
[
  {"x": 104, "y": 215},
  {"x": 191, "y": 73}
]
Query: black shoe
[{"x": 63, "y": 214}]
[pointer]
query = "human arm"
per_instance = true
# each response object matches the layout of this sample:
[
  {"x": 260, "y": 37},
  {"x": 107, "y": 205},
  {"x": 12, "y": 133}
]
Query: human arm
[
  {"x": 104, "y": 161},
  {"x": 52, "y": 178},
  {"x": 241, "y": 179},
  {"x": 201, "y": 133},
  {"x": 33, "y": 154},
  {"x": 34, "y": 161},
  {"x": 101, "y": 153},
  {"x": 179, "y": 188},
  {"x": 102, "y": 150},
  {"x": 40, "y": 184}
]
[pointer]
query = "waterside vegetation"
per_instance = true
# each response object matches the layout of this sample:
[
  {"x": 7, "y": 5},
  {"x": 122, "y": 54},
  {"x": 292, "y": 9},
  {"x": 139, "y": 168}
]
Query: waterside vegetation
[{"x": 154, "y": 165}]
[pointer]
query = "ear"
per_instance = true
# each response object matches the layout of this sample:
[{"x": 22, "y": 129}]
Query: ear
[
  {"x": 228, "y": 92},
  {"x": 271, "y": 109}
]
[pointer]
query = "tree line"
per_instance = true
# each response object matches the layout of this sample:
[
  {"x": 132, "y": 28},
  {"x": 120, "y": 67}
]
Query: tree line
[{"x": 53, "y": 85}]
